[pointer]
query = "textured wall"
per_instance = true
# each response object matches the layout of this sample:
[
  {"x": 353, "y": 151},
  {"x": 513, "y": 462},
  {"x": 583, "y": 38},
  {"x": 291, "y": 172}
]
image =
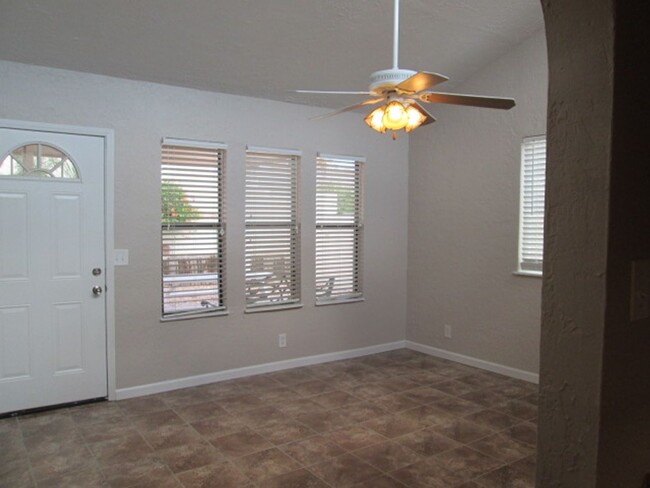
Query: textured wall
[
  {"x": 464, "y": 218},
  {"x": 141, "y": 114},
  {"x": 580, "y": 41},
  {"x": 624, "y": 454}
]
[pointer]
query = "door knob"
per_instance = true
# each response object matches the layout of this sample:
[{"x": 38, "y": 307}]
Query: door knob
[{"x": 97, "y": 290}]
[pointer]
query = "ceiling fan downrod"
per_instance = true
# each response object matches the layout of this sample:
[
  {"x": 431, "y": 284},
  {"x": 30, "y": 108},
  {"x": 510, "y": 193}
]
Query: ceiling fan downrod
[{"x": 396, "y": 35}]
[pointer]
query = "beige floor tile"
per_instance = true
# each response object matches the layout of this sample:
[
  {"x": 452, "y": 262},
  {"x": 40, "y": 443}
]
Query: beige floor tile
[
  {"x": 313, "y": 450},
  {"x": 427, "y": 474},
  {"x": 241, "y": 443},
  {"x": 503, "y": 448},
  {"x": 355, "y": 437},
  {"x": 461, "y": 430},
  {"x": 506, "y": 477},
  {"x": 493, "y": 420},
  {"x": 141, "y": 472},
  {"x": 393, "y": 425},
  {"x": 283, "y": 431},
  {"x": 300, "y": 478},
  {"x": 120, "y": 450},
  {"x": 466, "y": 463},
  {"x": 344, "y": 471},
  {"x": 66, "y": 459},
  {"x": 142, "y": 405},
  {"x": 215, "y": 427},
  {"x": 264, "y": 465},
  {"x": 399, "y": 419},
  {"x": 388, "y": 456},
  {"x": 16, "y": 474},
  {"x": 189, "y": 456},
  {"x": 199, "y": 411},
  {"x": 427, "y": 443},
  {"x": 221, "y": 474},
  {"x": 334, "y": 399}
]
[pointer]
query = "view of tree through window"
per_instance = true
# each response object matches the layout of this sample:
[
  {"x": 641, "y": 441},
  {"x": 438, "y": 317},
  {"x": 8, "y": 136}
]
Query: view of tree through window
[
  {"x": 193, "y": 228},
  {"x": 339, "y": 229}
]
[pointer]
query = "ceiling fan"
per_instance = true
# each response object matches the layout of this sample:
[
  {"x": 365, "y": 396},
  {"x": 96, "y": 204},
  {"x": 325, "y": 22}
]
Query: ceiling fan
[{"x": 400, "y": 92}]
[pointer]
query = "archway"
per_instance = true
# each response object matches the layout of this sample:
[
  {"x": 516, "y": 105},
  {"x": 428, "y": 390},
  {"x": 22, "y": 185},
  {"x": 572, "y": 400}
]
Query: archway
[{"x": 594, "y": 420}]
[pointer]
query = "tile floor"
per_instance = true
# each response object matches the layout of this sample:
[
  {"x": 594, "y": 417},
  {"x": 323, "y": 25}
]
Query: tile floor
[{"x": 392, "y": 420}]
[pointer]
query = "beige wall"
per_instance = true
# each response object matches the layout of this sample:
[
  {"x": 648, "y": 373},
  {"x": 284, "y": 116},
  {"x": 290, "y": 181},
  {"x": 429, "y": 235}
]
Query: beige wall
[
  {"x": 464, "y": 218},
  {"x": 141, "y": 114}
]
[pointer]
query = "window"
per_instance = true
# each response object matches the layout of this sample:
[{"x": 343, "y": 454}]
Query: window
[
  {"x": 38, "y": 161},
  {"x": 533, "y": 179},
  {"x": 193, "y": 228},
  {"x": 272, "y": 250},
  {"x": 339, "y": 228}
]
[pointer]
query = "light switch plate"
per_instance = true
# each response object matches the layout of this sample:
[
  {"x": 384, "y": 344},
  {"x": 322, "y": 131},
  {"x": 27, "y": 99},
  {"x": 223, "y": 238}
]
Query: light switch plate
[
  {"x": 121, "y": 257},
  {"x": 640, "y": 296}
]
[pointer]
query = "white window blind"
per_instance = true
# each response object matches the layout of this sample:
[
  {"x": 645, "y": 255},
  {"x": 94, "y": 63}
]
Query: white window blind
[
  {"x": 533, "y": 180},
  {"x": 193, "y": 228},
  {"x": 272, "y": 249},
  {"x": 339, "y": 228}
]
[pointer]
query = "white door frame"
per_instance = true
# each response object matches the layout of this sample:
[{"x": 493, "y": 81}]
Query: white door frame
[{"x": 109, "y": 229}]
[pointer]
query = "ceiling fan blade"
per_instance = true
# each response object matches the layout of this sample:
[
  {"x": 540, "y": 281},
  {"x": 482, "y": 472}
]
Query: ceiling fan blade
[
  {"x": 420, "y": 81},
  {"x": 468, "y": 100},
  {"x": 330, "y": 92},
  {"x": 371, "y": 101},
  {"x": 430, "y": 118}
]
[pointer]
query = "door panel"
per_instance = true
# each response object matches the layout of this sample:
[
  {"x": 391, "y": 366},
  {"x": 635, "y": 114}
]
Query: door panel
[
  {"x": 66, "y": 236},
  {"x": 15, "y": 332},
  {"x": 52, "y": 326},
  {"x": 13, "y": 265},
  {"x": 68, "y": 328}
]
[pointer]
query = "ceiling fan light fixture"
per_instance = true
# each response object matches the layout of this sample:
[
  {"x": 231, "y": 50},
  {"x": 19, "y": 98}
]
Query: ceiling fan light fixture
[
  {"x": 375, "y": 119},
  {"x": 415, "y": 118}
]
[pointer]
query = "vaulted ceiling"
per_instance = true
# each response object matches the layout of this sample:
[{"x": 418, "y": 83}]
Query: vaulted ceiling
[{"x": 263, "y": 48}]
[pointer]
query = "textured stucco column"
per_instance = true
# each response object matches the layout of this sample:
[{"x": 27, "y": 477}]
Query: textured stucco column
[
  {"x": 624, "y": 443},
  {"x": 580, "y": 44}
]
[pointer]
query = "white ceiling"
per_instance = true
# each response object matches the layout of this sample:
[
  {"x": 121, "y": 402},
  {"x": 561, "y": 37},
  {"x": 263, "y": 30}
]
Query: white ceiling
[{"x": 263, "y": 48}]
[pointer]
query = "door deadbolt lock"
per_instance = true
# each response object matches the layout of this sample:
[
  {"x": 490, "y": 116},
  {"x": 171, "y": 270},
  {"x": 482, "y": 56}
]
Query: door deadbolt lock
[
  {"x": 97, "y": 290},
  {"x": 97, "y": 271}
]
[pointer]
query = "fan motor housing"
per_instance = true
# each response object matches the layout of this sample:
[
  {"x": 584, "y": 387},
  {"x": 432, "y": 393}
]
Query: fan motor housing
[{"x": 385, "y": 79}]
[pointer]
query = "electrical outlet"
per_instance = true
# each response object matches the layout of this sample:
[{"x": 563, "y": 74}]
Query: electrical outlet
[
  {"x": 448, "y": 331},
  {"x": 282, "y": 340}
]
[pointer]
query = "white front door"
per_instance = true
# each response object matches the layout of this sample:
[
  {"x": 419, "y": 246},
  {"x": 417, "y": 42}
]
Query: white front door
[{"x": 52, "y": 322}]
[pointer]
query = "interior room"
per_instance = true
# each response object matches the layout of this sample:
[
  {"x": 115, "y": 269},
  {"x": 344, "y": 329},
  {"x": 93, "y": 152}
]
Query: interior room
[{"x": 220, "y": 283}]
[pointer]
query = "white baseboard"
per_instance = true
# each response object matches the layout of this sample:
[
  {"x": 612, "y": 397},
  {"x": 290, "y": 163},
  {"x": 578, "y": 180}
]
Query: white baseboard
[
  {"x": 162, "y": 386},
  {"x": 477, "y": 363}
]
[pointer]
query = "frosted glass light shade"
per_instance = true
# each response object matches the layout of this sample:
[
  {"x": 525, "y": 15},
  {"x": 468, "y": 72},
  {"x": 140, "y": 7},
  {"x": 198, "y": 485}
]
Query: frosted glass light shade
[
  {"x": 415, "y": 118},
  {"x": 374, "y": 119},
  {"x": 395, "y": 116}
]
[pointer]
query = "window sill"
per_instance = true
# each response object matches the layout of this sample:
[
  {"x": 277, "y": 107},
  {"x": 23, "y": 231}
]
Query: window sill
[
  {"x": 340, "y": 302},
  {"x": 216, "y": 313},
  {"x": 529, "y": 274},
  {"x": 273, "y": 308}
]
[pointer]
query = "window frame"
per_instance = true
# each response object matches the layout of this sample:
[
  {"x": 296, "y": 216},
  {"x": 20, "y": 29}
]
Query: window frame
[
  {"x": 357, "y": 225},
  {"x": 39, "y": 173},
  {"x": 270, "y": 285},
  {"x": 526, "y": 198},
  {"x": 219, "y": 225}
]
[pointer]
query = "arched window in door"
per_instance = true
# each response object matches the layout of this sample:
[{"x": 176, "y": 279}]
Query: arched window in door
[{"x": 38, "y": 161}]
